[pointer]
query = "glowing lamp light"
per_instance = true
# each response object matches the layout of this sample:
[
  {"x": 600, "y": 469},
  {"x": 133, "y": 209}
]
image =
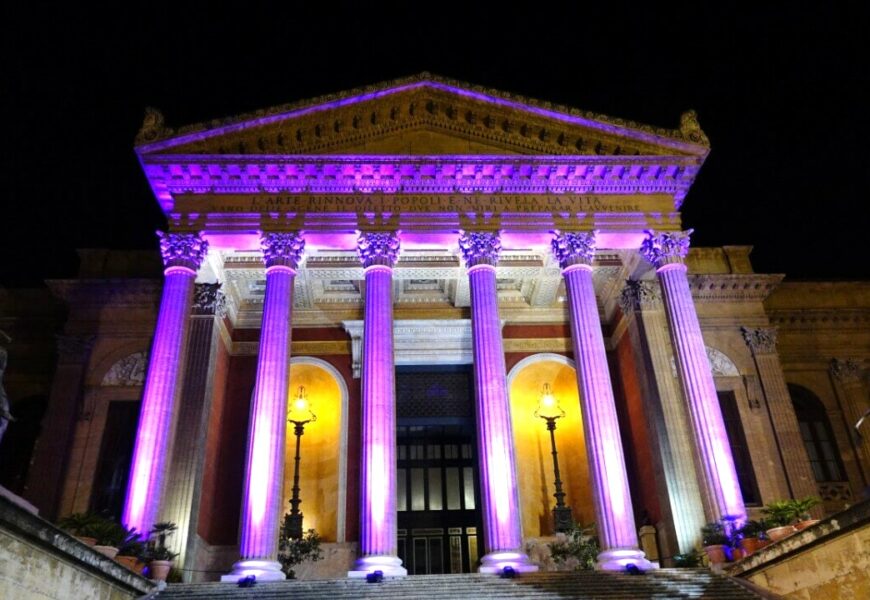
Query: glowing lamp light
[
  {"x": 300, "y": 408},
  {"x": 548, "y": 405}
]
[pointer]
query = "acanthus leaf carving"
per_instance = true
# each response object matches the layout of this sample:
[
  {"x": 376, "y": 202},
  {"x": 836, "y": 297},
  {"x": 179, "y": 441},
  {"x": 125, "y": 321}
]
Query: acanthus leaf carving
[
  {"x": 574, "y": 248},
  {"x": 480, "y": 248},
  {"x": 665, "y": 248}
]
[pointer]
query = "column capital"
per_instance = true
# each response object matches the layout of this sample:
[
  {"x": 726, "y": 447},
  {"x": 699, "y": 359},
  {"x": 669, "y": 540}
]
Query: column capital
[
  {"x": 761, "y": 340},
  {"x": 639, "y": 295},
  {"x": 282, "y": 248},
  {"x": 846, "y": 370},
  {"x": 480, "y": 248},
  {"x": 665, "y": 248},
  {"x": 574, "y": 248},
  {"x": 378, "y": 248},
  {"x": 209, "y": 299},
  {"x": 182, "y": 249}
]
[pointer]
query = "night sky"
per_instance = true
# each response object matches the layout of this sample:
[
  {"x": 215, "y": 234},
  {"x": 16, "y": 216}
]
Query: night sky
[{"x": 779, "y": 92}]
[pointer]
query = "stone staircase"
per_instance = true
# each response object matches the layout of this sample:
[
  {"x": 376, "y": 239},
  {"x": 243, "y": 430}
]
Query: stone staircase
[{"x": 663, "y": 584}]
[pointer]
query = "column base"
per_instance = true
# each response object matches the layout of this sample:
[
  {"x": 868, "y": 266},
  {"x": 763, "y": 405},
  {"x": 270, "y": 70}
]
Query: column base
[
  {"x": 495, "y": 562},
  {"x": 263, "y": 570},
  {"x": 390, "y": 566},
  {"x": 617, "y": 559}
]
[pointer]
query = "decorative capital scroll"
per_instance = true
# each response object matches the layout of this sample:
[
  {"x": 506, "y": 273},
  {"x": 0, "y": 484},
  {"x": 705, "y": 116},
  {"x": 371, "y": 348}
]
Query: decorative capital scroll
[
  {"x": 480, "y": 248},
  {"x": 846, "y": 370},
  {"x": 282, "y": 248},
  {"x": 639, "y": 295},
  {"x": 760, "y": 341},
  {"x": 665, "y": 248},
  {"x": 208, "y": 299},
  {"x": 574, "y": 248},
  {"x": 182, "y": 249},
  {"x": 378, "y": 248}
]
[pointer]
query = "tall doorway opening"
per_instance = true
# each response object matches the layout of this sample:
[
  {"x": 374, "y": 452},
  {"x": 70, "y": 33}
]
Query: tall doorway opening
[{"x": 437, "y": 494}]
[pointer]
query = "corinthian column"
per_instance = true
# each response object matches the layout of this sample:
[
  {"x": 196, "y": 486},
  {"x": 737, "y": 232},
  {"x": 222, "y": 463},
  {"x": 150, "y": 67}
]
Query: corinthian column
[
  {"x": 495, "y": 442},
  {"x": 614, "y": 515},
  {"x": 799, "y": 474},
  {"x": 267, "y": 423},
  {"x": 378, "y": 543},
  {"x": 848, "y": 375},
  {"x": 666, "y": 252},
  {"x": 182, "y": 255}
]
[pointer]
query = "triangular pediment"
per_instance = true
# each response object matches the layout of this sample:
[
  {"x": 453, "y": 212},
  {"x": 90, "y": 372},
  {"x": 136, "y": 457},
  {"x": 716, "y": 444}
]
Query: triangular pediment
[{"x": 424, "y": 114}]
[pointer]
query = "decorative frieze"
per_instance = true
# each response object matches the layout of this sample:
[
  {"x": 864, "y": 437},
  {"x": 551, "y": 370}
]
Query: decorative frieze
[
  {"x": 760, "y": 340},
  {"x": 378, "y": 248},
  {"x": 480, "y": 248},
  {"x": 182, "y": 249},
  {"x": 282, "y": 248},
  {"x": 640, "y": 295},
  {"x": 129, "y": 371},
  {"x": 574, "y": 248},
  {"x": 209, "y": 299},
  {"x": 665, "y": 248}
]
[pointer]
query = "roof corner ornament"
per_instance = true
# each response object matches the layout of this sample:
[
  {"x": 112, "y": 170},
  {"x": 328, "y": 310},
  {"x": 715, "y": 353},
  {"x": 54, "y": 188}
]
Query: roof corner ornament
[
  {"x": 691, "y": 130},
  {"x": 153, "y": 126}
]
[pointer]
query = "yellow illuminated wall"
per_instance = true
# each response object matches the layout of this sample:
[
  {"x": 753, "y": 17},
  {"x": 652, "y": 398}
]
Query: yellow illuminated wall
[
  {"x": 321, "y": 446},
  {"x": 532, "y": 443}
]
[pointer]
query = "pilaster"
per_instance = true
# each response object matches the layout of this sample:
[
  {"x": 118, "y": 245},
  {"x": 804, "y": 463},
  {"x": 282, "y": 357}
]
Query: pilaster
[{"x": 848, "y": 375}]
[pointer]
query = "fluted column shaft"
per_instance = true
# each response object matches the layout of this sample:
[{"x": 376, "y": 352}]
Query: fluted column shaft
[
  {"x": 182, "y": 254},
  {"x": 666, "y": 252},
  {"x": 848, "y": 373},
  {"x": 378, "y": 518},
  {"x": 495, "y": 442},
  {"x": 267, "y": 421}
]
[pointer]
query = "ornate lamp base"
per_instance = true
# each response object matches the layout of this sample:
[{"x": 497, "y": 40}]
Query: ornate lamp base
[
  {"x": 390, "y": 566},
  {"x": 617, "y": 559},
  {"x": 263, "y": 570},
  {"x": 563, "y": 520},
  {"x": 495, "y": 562}
]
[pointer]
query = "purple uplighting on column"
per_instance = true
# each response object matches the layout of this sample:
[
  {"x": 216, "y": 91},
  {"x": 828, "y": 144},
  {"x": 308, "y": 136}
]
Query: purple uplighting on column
[
  {"x": 614, "y": 515},
  {"x": 378, "y": 542},
  {"x": 666, "y": 252},
  {"x": 498, "y": 487},
  {"x": 182, "y": 255},
  {"x": 267, "y": 426}
]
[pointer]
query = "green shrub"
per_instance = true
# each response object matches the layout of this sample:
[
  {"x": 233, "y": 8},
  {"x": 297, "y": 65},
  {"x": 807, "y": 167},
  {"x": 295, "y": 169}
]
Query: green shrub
[
  {"x": 578, "y": 550},
  {"x": 689, "y": 560},
  {"x": 713, "y": 534},
  {"x": 292, "y": 552}
]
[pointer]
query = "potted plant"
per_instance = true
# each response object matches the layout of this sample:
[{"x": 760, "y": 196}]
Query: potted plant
[
  {"x": 159, "y": 556},
  {"x": 779, "y": 515},
  {"x": 130, "y": 550},
  {"x": 802, "y": 512},
  {"x": 715, "y": 542},
  {"x": 109, "y": 536},
  {"x": 77, "y": 525},
  {"x": 750, "y": 536}
]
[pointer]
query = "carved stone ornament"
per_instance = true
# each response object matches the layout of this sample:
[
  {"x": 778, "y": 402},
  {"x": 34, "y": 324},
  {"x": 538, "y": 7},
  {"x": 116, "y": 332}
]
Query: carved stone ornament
[
  {"x": 182, "y": 249},
  {"x": 129, "y": 371},
  {"x": 665, "y": 248},
  {"x": 691, "y": 128},
  {"x": 760, "y": 341},
  {"x": 208, "y": 299},
  {"x": 639, "y": 295},
  {"x": 282, "y": 248},
  {"x": 378, "y": 248},
  {"x": 574, "y": 248},
  {"x": 846, "y": 370},
  {"x": 480, "y": 248},
  {"x": 153, "y": 126}
]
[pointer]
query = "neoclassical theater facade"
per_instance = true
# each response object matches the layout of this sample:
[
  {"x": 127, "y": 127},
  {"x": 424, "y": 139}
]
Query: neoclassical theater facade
[{"x": 423, "y": 258}]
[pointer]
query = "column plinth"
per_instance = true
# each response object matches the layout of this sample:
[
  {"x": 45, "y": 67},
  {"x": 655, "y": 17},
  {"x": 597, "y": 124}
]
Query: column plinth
[
  {"x": 614, "y": 514},
  {"x": 182, "y": 255},
  {"x": 666, "y": 252},
  {"x": 495, "y": 442},
  {"x": 267, "y": 426},
  {"x": 378, "y": 518}
]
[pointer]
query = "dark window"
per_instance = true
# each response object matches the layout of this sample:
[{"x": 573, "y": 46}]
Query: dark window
[
  {"x": 817, "y": 435},
  {"x": 116, "y": 452},
  {"x": 739, "y": 448}
]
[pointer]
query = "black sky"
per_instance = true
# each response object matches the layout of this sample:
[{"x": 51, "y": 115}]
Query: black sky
[{"x": 779, "y": 91}]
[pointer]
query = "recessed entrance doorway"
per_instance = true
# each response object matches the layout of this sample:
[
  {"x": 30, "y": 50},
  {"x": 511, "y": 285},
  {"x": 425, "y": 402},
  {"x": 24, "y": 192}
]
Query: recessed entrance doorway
[{"x": 437, "y": 496}]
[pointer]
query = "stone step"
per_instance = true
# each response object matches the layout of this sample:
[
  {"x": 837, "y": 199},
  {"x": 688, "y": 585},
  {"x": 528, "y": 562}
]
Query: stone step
[{"x": 660, "y": 584}]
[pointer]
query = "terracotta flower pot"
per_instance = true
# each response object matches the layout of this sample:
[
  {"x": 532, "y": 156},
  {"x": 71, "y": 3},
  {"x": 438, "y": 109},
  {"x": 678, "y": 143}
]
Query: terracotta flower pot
[
  {"x": 126, "y": 561},
  {"x": 801, "y": 525},
  {"x": 716, "y": 554},
  {"x": 737, "y": 554},
  {"x": 87, "y": 540},
  {"x": 107, "y": 551},
  {"x": 750, "y": 545},
  {"x": 778, "y": 533},
  {"x": 139, "y": 567},
  {"x": 159, "y": 569}
]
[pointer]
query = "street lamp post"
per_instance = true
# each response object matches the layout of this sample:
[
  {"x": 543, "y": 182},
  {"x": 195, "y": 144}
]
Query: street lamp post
[
  {"x": 300, "y": 415},
  {"x": 549, "y": 410}
]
